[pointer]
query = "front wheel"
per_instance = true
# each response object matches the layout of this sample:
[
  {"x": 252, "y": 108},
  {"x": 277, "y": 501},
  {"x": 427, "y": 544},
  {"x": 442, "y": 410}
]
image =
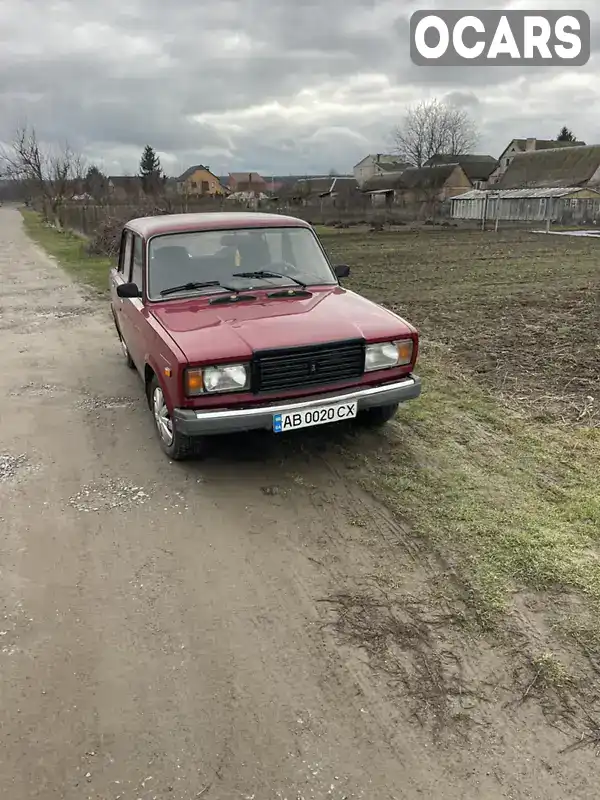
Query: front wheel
[
  {"x": 377, "y": 417},
  {"x": 175, "y": 444}
]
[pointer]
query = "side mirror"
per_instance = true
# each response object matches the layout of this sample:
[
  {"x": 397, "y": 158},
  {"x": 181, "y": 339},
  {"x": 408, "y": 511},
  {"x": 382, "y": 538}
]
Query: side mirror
[
  {"x": 128, "y": 290},
  {"x": 342, "y": 271}
]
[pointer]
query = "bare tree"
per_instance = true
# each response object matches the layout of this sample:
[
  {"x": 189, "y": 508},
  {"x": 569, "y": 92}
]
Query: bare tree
[
  {"x": 49, "y": 174},
  {"x": 433, "y": 128}
]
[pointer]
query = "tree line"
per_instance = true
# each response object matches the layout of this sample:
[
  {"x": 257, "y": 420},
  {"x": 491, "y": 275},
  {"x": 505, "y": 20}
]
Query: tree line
[{"x": 50, "y": 173}]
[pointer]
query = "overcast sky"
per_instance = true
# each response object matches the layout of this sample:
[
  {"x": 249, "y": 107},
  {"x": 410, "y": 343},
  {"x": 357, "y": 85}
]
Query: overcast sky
[{"x": 277, "y": 86}]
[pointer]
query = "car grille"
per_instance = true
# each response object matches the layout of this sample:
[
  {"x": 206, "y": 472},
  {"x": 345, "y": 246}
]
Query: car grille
[{"x": 300, "y": 367}]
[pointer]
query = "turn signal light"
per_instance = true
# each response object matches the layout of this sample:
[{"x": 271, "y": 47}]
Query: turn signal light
[
  {"x": 405, "y": 351},
  {"x": 194, "y": 381}
]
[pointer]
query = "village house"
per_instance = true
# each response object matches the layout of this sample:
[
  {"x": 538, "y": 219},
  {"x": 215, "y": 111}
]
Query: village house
[
  {"x": 560, "y": 167},
  {"x": 336, "y": 191},
  {"x": 517, "y": 146},
  {"x": 378, "y": 164},
  {"x": 199, "y": 181},
  {"x": 478, "y": 168},
  {"x": 278, "y": 184},
  {"x": 414, "y": 186},
  {"x": 247, "y": 182}
]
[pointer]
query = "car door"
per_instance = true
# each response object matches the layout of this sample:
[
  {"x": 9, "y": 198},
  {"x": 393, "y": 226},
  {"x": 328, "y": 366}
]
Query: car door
[
  {"x": 133, "y": 308},
  {"x": 119, "y": 275},
  {"x": 125, "y": 308}
]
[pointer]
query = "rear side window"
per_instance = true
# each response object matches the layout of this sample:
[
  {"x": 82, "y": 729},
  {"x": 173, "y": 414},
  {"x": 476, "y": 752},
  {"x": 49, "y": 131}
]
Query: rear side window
[
  {"x": 125, "y": 255},
  {"x": 136, "y": 270}
]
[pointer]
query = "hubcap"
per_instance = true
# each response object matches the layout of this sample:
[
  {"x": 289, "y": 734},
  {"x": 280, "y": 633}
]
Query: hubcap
[{"x": 162, "y": 417}]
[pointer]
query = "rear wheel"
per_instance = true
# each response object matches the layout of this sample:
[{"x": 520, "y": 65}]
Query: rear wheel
[
  {"x": 376, "y": 417},
  {"x": 176, "y": 445}
]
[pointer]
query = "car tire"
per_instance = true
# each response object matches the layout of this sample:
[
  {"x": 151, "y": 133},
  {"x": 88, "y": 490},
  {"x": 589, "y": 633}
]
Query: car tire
[
  {"x": 376, "y": 417},
  {"x": 175, "y": 444}
]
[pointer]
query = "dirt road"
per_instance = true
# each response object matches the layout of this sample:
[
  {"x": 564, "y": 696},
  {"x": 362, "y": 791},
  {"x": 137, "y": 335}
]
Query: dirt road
[{"x": 163, "y": 627}]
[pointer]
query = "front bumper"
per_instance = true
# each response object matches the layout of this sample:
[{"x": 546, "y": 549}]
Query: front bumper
[{"x": 191, "y": 422}]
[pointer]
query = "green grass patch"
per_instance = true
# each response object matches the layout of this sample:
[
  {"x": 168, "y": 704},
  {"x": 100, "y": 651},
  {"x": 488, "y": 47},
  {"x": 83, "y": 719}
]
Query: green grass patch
[
  {"x": 69, "y": 250},
  {"x": 509, "y": 503}
]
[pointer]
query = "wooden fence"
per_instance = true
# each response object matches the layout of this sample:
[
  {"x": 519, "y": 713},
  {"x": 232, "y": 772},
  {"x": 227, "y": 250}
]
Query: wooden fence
[{"x": 86, "y": 218}]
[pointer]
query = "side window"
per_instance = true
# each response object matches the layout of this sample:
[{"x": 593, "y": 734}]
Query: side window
[
  {"x": 125, "y": 254},
  {"x": 136, "y": 270}
]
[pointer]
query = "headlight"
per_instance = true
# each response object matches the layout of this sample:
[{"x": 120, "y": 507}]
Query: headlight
[
  {"x": 388, "y": 354},
  {"x": 211, "y": 380}
]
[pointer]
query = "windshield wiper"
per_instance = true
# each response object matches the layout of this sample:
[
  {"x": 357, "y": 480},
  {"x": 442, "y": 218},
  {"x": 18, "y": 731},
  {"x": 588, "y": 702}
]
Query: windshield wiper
[
  {"x": 189, "y": 287},
  {"x": 265, "y": 273}
]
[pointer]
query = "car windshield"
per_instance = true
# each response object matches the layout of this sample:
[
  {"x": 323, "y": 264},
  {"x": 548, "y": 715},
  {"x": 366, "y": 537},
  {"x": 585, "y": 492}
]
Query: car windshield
[{"x": 279, "y": 257}]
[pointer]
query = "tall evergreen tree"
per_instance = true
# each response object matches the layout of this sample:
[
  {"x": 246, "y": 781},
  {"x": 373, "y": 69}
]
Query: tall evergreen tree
[
  {"x": 151, "y": 173},
  {"x": 565, "y": 135}
]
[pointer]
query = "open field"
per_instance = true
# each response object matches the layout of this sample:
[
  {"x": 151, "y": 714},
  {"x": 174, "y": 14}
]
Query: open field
[
  {"x": 469, "y": 579},
  {"x": 498, "y": 465},
  {"x": 519, "y": 310}
]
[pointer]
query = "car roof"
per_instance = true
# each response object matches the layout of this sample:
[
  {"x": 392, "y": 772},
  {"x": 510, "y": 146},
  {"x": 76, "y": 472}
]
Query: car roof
[{"x": 206, "y": 221}]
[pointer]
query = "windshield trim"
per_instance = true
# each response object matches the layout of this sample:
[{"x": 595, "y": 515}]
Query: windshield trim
[{"x": 202, "y": 292}]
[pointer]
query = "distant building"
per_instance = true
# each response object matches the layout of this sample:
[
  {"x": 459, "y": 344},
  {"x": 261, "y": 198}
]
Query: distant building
[
  {"x": 378, "y": 164},
  {"x": 568, "y": 204},
  {"x": 199, "y": 181},
  {"x": 418, "y": 185},
  {"x": 330, "y": 190},
  {"x": 517, "y": 146},
  {"x": 478, "y": 168},
  {"x": 553, "y": 168},
  {"x": 247, "y": 182}
]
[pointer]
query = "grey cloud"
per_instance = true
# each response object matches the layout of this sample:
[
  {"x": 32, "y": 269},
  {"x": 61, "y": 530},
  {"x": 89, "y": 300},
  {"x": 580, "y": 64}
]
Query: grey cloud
[
  {"x": 466, "y": 100},
  {"x": 91, "y": 87}
]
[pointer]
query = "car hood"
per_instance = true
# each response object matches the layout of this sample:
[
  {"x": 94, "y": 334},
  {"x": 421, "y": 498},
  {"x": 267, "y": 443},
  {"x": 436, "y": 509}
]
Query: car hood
[{"x": 234, "y": 331}]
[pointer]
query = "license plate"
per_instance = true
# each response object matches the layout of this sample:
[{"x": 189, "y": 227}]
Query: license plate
[{"x": 317, "y": 415}]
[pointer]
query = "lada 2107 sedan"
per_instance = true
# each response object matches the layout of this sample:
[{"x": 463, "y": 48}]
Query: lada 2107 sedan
[{"x": 237, "y": 321}]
